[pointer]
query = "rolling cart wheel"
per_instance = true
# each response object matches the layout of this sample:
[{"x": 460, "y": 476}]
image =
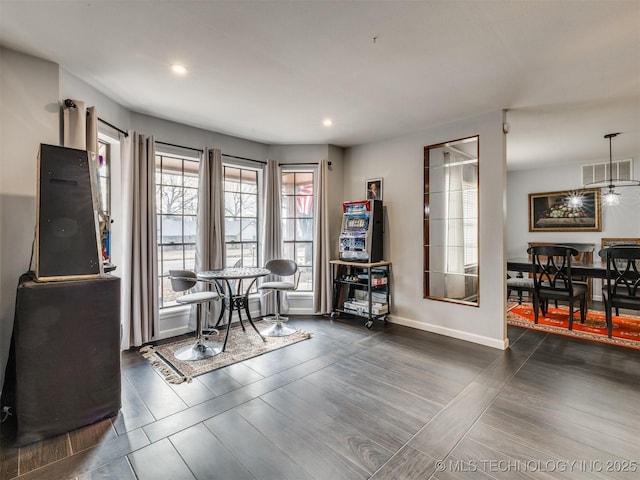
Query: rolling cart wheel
[
  {"x": 385, "y": 320},
  {"x": 369, "y": 324},
  {"x": 333, "y": 315}
]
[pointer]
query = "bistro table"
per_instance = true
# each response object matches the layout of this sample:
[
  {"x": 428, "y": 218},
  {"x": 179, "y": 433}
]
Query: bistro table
[{"x": 234, "y": 299}]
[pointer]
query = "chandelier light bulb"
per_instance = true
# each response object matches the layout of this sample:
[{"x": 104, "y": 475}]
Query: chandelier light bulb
[{"x": 611, "y": 198}]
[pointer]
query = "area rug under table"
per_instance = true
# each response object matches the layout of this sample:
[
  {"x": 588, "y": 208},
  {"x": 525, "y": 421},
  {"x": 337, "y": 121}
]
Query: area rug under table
[
  {"x": 241, "y": 345},
  {"x": 626, "y": 328}
]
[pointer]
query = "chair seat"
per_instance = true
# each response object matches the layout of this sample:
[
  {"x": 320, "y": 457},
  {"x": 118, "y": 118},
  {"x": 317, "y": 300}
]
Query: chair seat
[
  {"x": 513, "y": 283},
  {"x": 578, "y": 289},
  {"x": 276, "y": 286},
  {"x": 623, "y": 301},
  {"x": 197, "y": 297}
]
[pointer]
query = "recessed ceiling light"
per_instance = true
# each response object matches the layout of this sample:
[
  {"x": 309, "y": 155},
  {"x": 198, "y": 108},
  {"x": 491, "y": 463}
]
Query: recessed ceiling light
[
  {"x": 327, "y": 122},
  {"x": 179, "y": 69}
]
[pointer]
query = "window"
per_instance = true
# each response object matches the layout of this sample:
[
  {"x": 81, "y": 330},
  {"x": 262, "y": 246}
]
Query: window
[
  {"x": 241, "y": 216},
  {"x": 298, "y": 223},
  {"x": 177, "y": 205},
  {"x": 104, "y": 198}
]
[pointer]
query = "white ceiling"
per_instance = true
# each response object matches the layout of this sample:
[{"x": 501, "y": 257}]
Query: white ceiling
[{"x": 568, "y": 72}]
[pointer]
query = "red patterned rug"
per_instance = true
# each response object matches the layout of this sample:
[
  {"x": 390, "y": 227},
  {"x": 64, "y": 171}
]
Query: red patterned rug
[{"x": 626, "y": 328}]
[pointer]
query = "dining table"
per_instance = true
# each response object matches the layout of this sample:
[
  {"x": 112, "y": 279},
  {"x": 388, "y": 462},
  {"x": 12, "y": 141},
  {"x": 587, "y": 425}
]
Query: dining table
[
  {"x": 596, "y": 268},
  {"x": 236, "y": 298}
]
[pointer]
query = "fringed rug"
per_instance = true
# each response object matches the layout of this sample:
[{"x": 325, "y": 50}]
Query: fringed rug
[
  {"x": 241, "y": 345},
  {"x": 626, "y": 328}
]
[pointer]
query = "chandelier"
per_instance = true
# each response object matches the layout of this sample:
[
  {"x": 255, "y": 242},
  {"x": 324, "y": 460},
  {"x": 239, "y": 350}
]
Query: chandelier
[{"x": 611, "y": 197}]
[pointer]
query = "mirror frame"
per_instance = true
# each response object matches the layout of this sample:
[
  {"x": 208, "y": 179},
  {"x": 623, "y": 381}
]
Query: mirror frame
[{"x": 427, "y": 220}]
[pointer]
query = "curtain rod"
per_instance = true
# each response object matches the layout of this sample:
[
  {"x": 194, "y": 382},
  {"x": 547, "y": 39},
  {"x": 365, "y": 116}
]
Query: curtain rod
[
  {"x": 113, "y": 126},
  {"x": 71, "y": 104},
  {"x": 202, "y": 151},
  {"x": 180, "y": 146},
  {"x": 301, "y": 163},
  {"x": 244, "y": 158}
]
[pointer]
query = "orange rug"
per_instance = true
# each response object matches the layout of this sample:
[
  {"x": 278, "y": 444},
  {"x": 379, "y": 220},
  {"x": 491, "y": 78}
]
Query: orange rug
[{"x": 626, "y": 328}]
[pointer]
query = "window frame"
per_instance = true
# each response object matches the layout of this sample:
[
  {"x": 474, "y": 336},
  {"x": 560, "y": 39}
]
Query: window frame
[
  {"x": 311, "y": 268},
  {"x": 163, "y": 285},
  {"x": 254, "y": 245}
]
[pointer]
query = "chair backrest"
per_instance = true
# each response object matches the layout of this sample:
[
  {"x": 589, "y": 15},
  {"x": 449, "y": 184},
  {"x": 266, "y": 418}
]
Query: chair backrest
[
  {"x": 552, "y": 267},
  {"x": 585, "y": 250},
  {"x": 282, "y": 267},
  {"x": 623, "y": 276},
  {"x": 182, "y": 279}
]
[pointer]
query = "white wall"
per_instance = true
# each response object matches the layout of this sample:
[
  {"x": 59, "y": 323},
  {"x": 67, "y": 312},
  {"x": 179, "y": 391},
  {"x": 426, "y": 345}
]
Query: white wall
[
  {"x": 29, "y": 116},
  {"x": 185, "y": 135},
  {"x": 622, "y": 220},
  {"x": 400, "y": 163}
]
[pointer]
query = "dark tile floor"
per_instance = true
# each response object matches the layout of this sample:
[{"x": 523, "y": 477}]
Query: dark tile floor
[{"x": 351, "y": 403}]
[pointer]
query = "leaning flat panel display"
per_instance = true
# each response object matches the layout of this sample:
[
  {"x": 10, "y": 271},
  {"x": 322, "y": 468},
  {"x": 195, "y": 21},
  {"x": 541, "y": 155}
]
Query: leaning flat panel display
[{"x": 67, "y": 239}]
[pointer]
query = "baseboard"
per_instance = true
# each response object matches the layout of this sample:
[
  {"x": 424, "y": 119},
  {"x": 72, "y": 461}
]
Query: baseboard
[
  {"x": 449, "y": 332},
  {"x": 174, "y": 332}
]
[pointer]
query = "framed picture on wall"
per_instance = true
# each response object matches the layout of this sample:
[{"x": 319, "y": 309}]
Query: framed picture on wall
[
  {"x": 557, "y": 212},
  {"x": 374, "y": 189}
]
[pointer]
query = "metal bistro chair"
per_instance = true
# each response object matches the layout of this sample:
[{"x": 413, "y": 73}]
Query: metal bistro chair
[
  {"x": 621, "y": 288},
  {"x": 552, "y": 280},
  {"x": 280, "y": 268},
  {"x": 182, "y": 280}
]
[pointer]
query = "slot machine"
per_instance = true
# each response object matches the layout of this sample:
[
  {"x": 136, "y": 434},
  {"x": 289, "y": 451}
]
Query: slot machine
[{"x": 361, "y": 231}]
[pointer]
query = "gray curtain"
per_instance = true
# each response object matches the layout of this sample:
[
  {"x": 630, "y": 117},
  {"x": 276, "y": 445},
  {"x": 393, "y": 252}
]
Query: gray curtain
[
  {"x": 322, "y": 300},
  {"x": 271, "y": 230},
  {"x": 210, "y": 239},
  {"x": 80, "y": 127},
  {"x": 140, "y": 256}
]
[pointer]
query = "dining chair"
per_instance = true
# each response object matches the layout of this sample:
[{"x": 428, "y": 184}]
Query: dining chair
[
  {"x": 184, "y": 280},
  {"x": 281, "y": 268},
  {"x": 518, "y": 285},
  {"x": 551, "y": 265},
  {"x": 621, "y": 287},
  {"x": 585, "y": 254}
]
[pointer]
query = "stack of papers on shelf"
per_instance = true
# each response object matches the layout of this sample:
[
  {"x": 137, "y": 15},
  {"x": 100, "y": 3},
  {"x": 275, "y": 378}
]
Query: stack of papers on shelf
[{"x": 361, "y": 307}]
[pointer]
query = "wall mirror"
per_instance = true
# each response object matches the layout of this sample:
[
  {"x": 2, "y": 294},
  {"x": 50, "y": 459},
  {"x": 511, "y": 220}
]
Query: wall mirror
[{"x": 451, "y": 262}]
